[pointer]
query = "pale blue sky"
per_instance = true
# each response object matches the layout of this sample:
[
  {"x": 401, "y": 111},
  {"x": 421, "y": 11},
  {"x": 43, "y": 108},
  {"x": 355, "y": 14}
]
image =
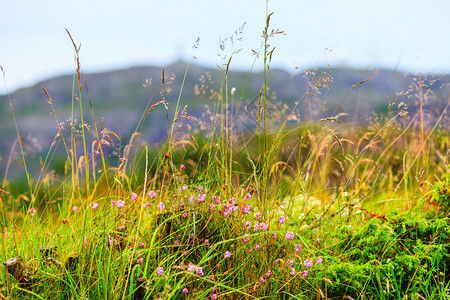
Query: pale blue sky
[{"x": 408, "y": 35}]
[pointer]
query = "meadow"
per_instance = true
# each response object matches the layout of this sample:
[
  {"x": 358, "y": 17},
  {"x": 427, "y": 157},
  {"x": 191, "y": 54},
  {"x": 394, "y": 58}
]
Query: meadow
[{"x": 296, "y": 207}]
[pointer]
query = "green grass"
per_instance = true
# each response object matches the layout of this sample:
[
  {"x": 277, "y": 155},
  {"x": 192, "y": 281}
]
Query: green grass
[{"x": 317, "y": 210}]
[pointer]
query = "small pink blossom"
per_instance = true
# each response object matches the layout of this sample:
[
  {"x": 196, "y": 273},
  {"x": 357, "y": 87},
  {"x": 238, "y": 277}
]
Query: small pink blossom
[
  {"x": 161, "y": 206},
  {"x": 262, "y": 280},
  {"x": 268, "y": 274},
  {"x": 274, "y": 235},
  {"x": 290, "y": 235},
  {"x": 32, "y": 211},
  {"x": 184, "y": 215},
  {"x": 298, "y": 248},
  {"x": 160, "y": 271},
  {"x": 282, "y": 220},
  {"x": 257, "y": 247},
  {"x": 216, "y": 199},
  {"x": 290, "y": 262},
  {"x": 258, "y": 215},
  {"x": 120, "y": 203},
  {"x": 152, "y": 194},
  {"x": 292, "y": 271},
  {"x": 75, "y": 209},
  {"x": 139, "y": 260},
  {"x": 318, "y": 261},
  {"x": 245, "y": 209},
  {"x": 305, "y": 274},
  {"x": 112, "y": 241},
  {"x": 308, "y": 263},
  {"x": 201, "y": 198},
  {"x": 191, "y": 268},
  {"x": 94, "y": 205},
  {"x": 133, "y": 196},
  {"x": 227, "y": 254},
  {"x": 263, "y": 226},
  {"x": 182, "y": 168},
  {"x": 199, "y": 271},
  {"x": 113, "y": 203},
  {"x": 248, "y": 196},
  {"x": 185, "y": 291},
  {"x": 176, "y": 243},
  {"x": 213, "y": 296},
  {"x": 142, "y": 245}
]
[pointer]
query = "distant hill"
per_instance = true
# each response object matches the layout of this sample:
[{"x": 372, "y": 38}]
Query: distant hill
[{"x": 120, "y": 98}]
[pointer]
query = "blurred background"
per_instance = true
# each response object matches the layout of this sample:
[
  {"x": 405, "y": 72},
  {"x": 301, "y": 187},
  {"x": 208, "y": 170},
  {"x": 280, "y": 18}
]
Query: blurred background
[
  {"x": 401, "y": 35},
  {"x": 124, "y": 46}
]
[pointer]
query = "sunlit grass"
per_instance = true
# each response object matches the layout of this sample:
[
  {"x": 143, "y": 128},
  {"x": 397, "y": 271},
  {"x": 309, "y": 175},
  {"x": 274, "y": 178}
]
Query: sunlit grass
[{"x": 322, "y": 209}]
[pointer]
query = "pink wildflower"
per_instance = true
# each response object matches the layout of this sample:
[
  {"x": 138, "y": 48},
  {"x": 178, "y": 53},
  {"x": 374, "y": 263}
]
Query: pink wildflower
[
  {"x": 112, "y": 241},
  {"x": 308, "y": 263},
  {"x": 94, "y": 205},
  {"x": 262, "y": 279},
  {"x": 191, "y": 268},
  {"x": 75, "y": 208},
  {"x": 139, "y": 260},
  {"x": 182, "y": 168},
  {"x": 257, "y": 247},
  {"x": 268, "y": 274},
  {"x": 282, "y": 220},
  {"x": 248, "y": 196},
  {"x": 133, "y": 196},
  {"x": 263, "y": 226},
  {"x": 305, "y": 274},
  {"x": 298, "y": 248},
  {"x": 176, "y": 243},
  {"x": 184, "y": 215},
  {"x": 199, "y": 271},
  {"x": 292, "y": 271},
  {"x": 245, "y": 209},
  {"x": 213, "y": 296},
  {"x": 161, "y": 206},
  {"x": 290, "y": 235},
  {"x": 142, "y": 245},
  {"x": 258, "y": 215},
  {"x": 185, "y": 291},
  {"x": 290, "y": 262},
  {"x": 201, "y": 198},
  {"x": 318, "y": 261},
  {"x": 216, "y": 199},
  {"x": 227, "y": 254},
  {"x": 160, "y": 271},
  {"x": 274, "y": 235},
  {"x": 32, "y": 211},
  {"x": 120, "y": 203},
  {"x": 152, "y": 194},
  {"x": 113, "y": 203}
]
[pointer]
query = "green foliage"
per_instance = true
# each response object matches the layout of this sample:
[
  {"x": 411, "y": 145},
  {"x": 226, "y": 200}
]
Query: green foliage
[{"x": 440, "y": 193}]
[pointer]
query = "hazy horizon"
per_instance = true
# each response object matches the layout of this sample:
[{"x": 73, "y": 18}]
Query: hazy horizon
[{"x": 408, "y": 36}]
